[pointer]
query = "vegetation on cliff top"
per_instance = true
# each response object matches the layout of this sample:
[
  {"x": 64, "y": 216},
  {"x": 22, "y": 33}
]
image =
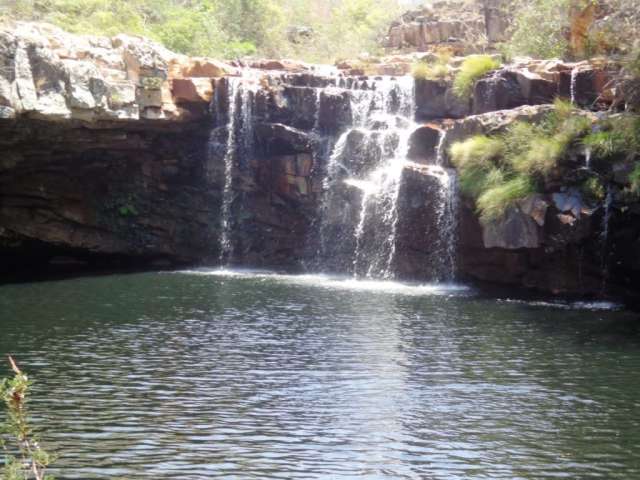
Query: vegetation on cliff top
[
  {"x": 497, "y": 171},
  {"x": 573, "y": 28},
  {"x": 472, "y": 69},
  {"x": 313, "y": 30}
]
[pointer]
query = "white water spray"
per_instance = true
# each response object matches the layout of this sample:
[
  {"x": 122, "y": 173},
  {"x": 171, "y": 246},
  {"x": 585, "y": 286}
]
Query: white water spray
[
  {"x": 574, "y": 81},
  {"x": 240, "y": 92}
]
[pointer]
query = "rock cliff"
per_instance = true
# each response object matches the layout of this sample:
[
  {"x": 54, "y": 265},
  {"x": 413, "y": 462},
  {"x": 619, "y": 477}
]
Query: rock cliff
[{"x": 116, "y": 151}]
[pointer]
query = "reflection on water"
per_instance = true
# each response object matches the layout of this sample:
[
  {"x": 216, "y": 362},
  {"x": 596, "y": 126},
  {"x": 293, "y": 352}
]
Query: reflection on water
[{"x": 217, "y": 374}]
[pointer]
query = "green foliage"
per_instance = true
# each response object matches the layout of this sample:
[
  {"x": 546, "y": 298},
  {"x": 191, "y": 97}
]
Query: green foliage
[
  {"x": 472, "y": 69},
  {"x": 437, "y": 69},
  {"x": 225, "y": 28},
  {"x": 127, "y": 210},
  {"x": 429, "y": 71},
  {"x": 634, "y": 179},
  {"x": 541, "y": 157},
  {"x": 539, "y": 28},
  {"x": 16, "y": 430},
  {"x": 618, "y": 137},
  {"x": 563, "y": 109},
  {"x": 593, "y": 190},
  {"x": 494, "y": 202},
  {"x": 477, "y": 151},
  {"x": 498, "y": 171}
]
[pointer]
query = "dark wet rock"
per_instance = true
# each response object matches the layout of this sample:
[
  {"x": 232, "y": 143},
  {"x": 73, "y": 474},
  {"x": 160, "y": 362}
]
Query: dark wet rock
[
  {"x": 417, "y": 247},
  {"x": 499, "y": 91},
  {"x": 335, "y": 111},
  {"x": 513, "y": 231},
  {"x": 436, "y": 100},
  {"x": 423, "y": 144},
  {"x": 280, "y": 139}
]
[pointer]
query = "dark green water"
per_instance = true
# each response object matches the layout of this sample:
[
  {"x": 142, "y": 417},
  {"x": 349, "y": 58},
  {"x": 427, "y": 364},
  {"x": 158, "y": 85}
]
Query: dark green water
[{"x": 197, "y": 375}]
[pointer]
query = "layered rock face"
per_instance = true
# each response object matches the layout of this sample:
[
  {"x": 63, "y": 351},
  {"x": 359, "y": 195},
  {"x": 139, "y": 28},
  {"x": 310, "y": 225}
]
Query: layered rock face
[
  {"x": 523, "y": 82},
  {"x": 450, "y": 22},
  {"x": 104, "y": 147}
]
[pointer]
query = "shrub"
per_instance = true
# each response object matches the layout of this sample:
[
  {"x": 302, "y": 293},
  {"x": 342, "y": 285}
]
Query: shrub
[
  {"x": 563, "y": 109},
  {"x": 495, "y": 201},
  {"x": 429, "y": 71},
  {"x": 437, "y": 69},
  {"x": 602, "y": 144},
  {"x": 539, "y": 28},
  {"x": 474, "y": 181},
  {"x": 593, "y": 190},
  {"x": 541, "y": 157},
  {"x": 634, "y": 179},
  {"x": 33, "y": 461},
  {"x": 617, "y": 137},
  {"x": 477, "y": 151},
  {"x": 472, "y": 69},
  {"x": 497, "y": 171},
  {"x": 518, "y": 137}
]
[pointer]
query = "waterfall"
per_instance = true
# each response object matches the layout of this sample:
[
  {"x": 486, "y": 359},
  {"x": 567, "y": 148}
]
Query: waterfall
[
  {"x": 381, "y": 126},
  {"x": 587, "y": 157},
  {"x": 447, "y": 225},
  {"x": 574, "y": 81},
  {"x": 225, "y": 242},
  {"x": 447, "y": 220},
  {"x": 379, "y": 211},
  {"x": 357, "y": 224},
  {"x": 316, "y": 120},
  {"x": 240, "y": 93},
  {"x": 606, "y": 220},
  {"x": 440, "y": 148}
]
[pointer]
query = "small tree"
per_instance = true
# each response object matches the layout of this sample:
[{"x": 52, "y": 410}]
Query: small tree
[{"x": 16, "y": 434}]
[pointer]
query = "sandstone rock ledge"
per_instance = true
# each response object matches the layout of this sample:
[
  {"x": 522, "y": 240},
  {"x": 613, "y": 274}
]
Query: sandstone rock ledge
[{"x": 49, "y": 74}]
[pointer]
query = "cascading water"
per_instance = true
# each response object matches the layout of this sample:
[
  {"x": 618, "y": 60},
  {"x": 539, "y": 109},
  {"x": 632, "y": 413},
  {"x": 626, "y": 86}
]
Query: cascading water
[
  {"x": 573, "y": 85},
  {"x": 240, "y": 92},
  {"x": 226, "y": 246},
  {"x": 447, "y": 221},
  {"x": 380, "y": 132},
  {"x": 606, "y": 220},
  {"x": 364, "y": 166}
]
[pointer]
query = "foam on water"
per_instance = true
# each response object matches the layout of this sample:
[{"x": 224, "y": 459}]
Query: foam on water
[
  {"x": 336, "y": 282},
  {"x": 565, "y": 305}
]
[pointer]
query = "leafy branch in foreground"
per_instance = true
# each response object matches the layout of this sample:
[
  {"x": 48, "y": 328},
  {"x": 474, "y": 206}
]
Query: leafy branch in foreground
[{"x": 32, "y": 460}]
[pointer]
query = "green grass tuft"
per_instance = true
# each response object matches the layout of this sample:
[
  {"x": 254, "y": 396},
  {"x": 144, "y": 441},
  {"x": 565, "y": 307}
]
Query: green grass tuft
[
  {"x": 634, "y": 179},
  {"x": 563, "y": 109},
  {"x": 541, "y": 156},
  {"x": 472, "y": 69},
  {"x": 495, "y": 201},
  {"x": 429, "y": 71},
  {"x": 478, "y": 151},
  {"x": 437, "y": 69},
  {"x": 593, "y": 190}
]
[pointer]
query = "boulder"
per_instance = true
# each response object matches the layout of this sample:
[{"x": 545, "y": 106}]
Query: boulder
[
  {"x": 192, "y": 90},
  {"x": 423, "y": 143},
  {"x": 513, "y": 231},
  {"x": 198, "y": 67},
  {"x": 335, "y": 111},
  {"x": 499, "y": 91},
  {"x": 281, "y": 65},
  {"x": 430, "y": 99}
]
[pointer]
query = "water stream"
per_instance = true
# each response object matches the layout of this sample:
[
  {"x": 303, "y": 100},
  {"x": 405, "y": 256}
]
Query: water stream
[
  {"x": 574, "y": 81},
  {"x": 363, "y": 171},
  {"x": 239, "y": 145}
]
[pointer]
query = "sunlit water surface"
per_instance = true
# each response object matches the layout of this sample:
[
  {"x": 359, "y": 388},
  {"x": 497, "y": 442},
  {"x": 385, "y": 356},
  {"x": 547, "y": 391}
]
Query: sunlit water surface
[{"x": 217, "y": 374}]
